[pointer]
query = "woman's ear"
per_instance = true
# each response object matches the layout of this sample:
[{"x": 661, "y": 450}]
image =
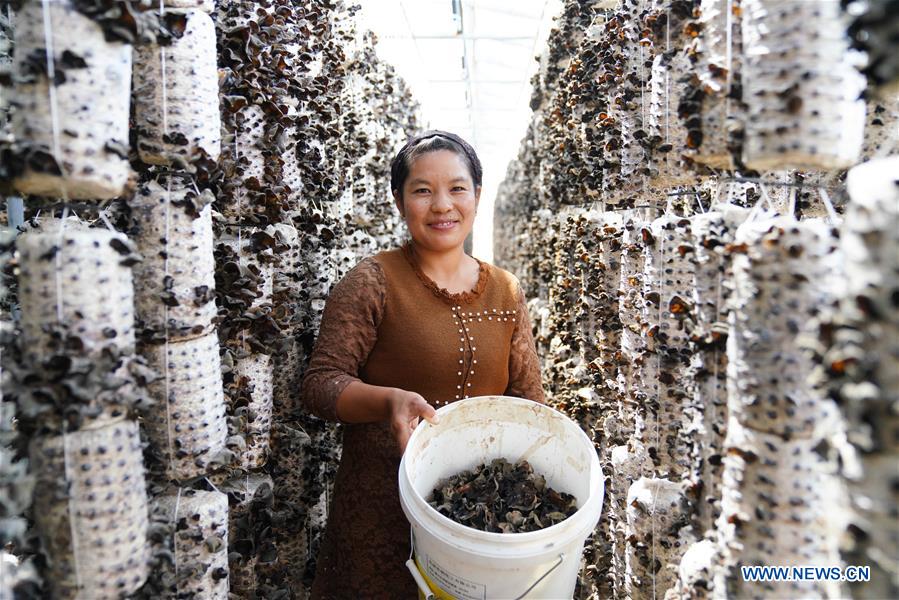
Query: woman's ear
[
  {"x": 398, "y": 200},
  {"x": 477, "y": 198}
]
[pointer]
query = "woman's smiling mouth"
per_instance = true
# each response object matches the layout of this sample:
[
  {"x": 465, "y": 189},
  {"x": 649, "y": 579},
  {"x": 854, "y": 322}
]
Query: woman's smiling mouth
[{"x": 443, "y": 225}]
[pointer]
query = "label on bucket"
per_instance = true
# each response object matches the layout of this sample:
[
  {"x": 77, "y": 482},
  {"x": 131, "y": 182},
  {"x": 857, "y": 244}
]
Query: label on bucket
[{"x": 457, "y": 587}]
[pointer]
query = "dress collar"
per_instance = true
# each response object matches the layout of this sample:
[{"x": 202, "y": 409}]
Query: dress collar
[{"x": 442, "y": 293}]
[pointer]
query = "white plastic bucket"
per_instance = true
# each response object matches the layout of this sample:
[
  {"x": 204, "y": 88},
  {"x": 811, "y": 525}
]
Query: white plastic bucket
[{"x": 460, "y": 562}]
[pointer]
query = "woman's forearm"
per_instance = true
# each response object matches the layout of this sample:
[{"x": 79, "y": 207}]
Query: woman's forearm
[{"x": 364, "y": 403}]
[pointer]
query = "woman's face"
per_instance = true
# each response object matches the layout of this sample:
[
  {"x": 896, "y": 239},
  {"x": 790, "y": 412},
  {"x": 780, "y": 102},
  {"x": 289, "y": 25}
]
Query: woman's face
[{"x": 439, "y": 201}]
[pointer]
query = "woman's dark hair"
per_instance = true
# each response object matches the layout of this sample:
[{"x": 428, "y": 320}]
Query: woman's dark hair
[{"x": 431, "y": 141}]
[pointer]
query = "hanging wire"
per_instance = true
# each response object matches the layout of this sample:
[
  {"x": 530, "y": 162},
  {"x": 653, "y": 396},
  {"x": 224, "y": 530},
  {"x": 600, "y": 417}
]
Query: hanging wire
[
  {"x": 642, "y": 84},
  {"x": 57, "y": 149},
  {"x": 174, "y": 524},
  {"x": 757, "y": 207},
  {"x": 729, "y": 58},
  {"x": 699, "y": 202},
  {"x": 167, "y": 208},
  {"x": 239, "y": 195},
  {"x": 166, "y": 350},
  {"x": 57, "y": 265},
  {"x": 828, "y": 205},
  {"x": 51, "y": 88},
  {"x": 667, "y": 84},
  {"x": 57, "y": 155},
  {"x": 652, "y": 513},
  {"x": 212, "y": 485},
  {"x": 105, "y": 218},
  {"x": 70, "y": 495}
]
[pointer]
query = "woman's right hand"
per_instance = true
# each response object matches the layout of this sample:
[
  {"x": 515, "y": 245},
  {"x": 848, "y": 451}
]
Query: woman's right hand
[{"x": 406, "y": 408}]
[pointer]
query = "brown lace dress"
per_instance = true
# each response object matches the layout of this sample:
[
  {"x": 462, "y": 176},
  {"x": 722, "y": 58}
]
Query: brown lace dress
[{"x": 387, "y": 324}]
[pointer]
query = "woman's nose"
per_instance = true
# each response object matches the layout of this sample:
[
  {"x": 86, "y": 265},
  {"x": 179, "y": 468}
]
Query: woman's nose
[{"x": 441, "y": 202}]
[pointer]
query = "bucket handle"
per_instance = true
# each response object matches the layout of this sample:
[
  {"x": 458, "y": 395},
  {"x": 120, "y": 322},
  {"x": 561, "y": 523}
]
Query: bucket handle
[
  {"x": 426, "y": 590},
  {"x": 422, "y": 584},
  {"x": 413, "y": 568},
  {"x": 542, "y": 577}
]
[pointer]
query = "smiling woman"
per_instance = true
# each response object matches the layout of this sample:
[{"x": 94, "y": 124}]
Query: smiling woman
[{"x": 407, "y": 331}]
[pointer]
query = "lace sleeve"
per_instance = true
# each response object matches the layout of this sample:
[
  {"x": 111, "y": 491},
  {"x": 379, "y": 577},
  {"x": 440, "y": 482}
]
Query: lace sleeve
[
  {"x": 524, "y": 366},
  {"x": 347, "y": 334}
]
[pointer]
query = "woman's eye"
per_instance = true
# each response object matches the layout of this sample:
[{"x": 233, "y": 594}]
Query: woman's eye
[
  {"x": 421, "y": 191},
  {"x": 458, "y": 188}
]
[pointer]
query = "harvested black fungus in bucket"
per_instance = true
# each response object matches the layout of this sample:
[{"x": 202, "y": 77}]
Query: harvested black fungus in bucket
[{"x": 502, "y": 497}]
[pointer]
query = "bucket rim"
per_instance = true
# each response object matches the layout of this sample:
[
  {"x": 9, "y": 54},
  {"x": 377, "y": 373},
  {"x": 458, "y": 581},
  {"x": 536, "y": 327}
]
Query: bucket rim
[{"x": 578, "y": 521}]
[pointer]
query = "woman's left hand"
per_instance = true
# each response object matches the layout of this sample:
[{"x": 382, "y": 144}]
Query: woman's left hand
[{"x": 406, "y": 408}]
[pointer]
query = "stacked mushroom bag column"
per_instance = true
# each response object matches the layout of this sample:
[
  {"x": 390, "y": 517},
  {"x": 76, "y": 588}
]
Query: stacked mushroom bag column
[
  {"x": 186, "y": 426},
  {"x": 279, "y": 173},
  {"x": 671, "y": 27},
  {"x": 266, "y": 160},
  {"x": 712, "y": 232},
  {"x": 75, "y": 385},
  {"x": 627, "y": 98},
  {"x": 300, "y": 42},
  {"x": 582, "y": 392},
  {"x": 173, "y": 232},
  {"x": 800, "y": 85},
  {"x": 629, "y": 459},
  {"x": 177, "y": 126},
  {"x": 713, "y": 109},
  {"x": 606, "y": 313},
  {"x": 175, "y": 80},
  {"x": 778, "y": 492},
  {"x": 286, "y": 292},
  {"x": 76, "y": 290},
  {"x": 667, "y": 420},
  {"x": 90, "y": 506},
  {"x": 603, "y": 288},
  {"x": 587, "y": 272},
  {"x": 861, "y": 365},
  {"x": 285, "y": 462},
  {"x": 249, "y": 529},
  {"x": 16, "y": 484},
  {"x": 262, "y": 160},
  {"x": 561, "y": 295},
  {"x": 630, "y": 311},
  {"x": 245, "y": 281},
  {"x": 68, "y": 140},
  {"x": 657, "y": 512},
  {"x": 193, "y": 526}
]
